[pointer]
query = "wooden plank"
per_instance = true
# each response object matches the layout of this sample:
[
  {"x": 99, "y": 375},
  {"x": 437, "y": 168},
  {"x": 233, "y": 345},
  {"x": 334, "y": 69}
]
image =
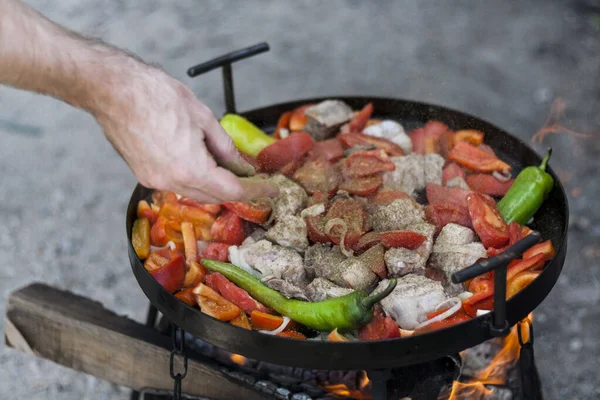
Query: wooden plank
[{"x": 81, "y": 334}]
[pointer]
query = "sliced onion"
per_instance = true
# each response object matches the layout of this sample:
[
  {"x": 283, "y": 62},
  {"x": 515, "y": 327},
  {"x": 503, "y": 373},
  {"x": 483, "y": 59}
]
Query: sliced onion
[
  {"x": 283, "y": 325},
  {"x": 464, "y": 295},
  {"x": 313, "y": 211},
  {"x": 482, "y": 312},
  {"x": 503, "y": 176},
  {"x": 283, "y": 133},
  {"x": 448, "y": 313},
  {"x": 338, "y": 221},
  {"x": 406, "y": 332},
  {"x": 236, "y": 257}
]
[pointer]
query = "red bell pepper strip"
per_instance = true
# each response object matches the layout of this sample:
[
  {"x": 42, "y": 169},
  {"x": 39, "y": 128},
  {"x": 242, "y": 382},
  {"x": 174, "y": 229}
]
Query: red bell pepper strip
[
  {"x": 215, "y": 251},
  {"x": 517, "y": 266},
  {"x": 381, "y": 327},
  {"x": 228, "y": 228},
  {"x": 488, "y": 184},
  {"x": 358, "y": 123},
  {"x": 170, "y": 274},
  {"x": 187, "y": 296},
  {"x": 479, "y": 301},
  {"x": 544, "y": 248},
  {"x": 275, "y": 156},
  {"x": 263, "y": 321},
  {"x": 234, "y": 294},
  {"x": 145, "y": 210},
  {"x": 519, "y": 282}
]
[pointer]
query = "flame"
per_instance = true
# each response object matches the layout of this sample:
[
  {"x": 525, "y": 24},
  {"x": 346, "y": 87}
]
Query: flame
[
  {"x": 238, "y": 359},
  {"x": 364, "y": 381},
  {"x": 471, "y": 391},
  {"x": 342, "y": 391}
]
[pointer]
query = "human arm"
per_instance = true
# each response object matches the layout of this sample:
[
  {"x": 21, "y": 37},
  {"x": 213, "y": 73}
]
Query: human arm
[{"x": 170, "y": 140}]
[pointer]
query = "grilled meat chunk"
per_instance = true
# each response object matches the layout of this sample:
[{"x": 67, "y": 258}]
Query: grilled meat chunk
[
  {"x": 274, "y": 261},
  {"x": 289, "y": 231},
  {"x": 325, "y": 118},
  {"x": 459, "y": 182},
  {"x": 401, "y": 261},
  {"x": 413, "y": 172},
  {"x": 455, "y": 234},
  {"x": 433, "y": 164},
  {"x": 321, "y": 289},
  {"x": 450, "y": 258},
  {"x": 392, "y": 131},
  {"x": 291, "y": 198},
  {"x": 287, "y": 289},
  {"x": 398, "y": 215},
  {"x": 319, "y": 258},
  {"x": 411, "y": 300}
]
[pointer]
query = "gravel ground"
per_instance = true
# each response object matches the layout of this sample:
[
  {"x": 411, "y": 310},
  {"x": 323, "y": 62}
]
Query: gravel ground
[{"x": 64, "y": 190}]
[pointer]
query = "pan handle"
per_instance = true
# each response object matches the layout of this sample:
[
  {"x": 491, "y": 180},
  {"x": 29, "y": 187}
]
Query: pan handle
[{"x": 225, "y": 62}]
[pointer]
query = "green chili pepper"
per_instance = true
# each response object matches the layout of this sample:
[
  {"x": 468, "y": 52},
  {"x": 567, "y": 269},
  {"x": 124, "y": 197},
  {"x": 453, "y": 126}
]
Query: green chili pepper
[
  {"x": 344, "y": 313},
  {"x": 248, "y": 138},
  {"x": 527, "y": 193}
]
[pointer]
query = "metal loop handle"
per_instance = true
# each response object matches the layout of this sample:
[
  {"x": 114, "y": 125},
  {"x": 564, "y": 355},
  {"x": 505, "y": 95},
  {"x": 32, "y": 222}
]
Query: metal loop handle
[{"x": 178, "y": 336}]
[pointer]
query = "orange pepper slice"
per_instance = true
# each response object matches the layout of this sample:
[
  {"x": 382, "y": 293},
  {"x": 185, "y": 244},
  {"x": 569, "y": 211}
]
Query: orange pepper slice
[
  {"x": 140, "y": 237},
  {"x": 519, "y": 282},
  {"x": 241, "y": 321},
  {"x": 187, "y": 296},
  {"x": 264, "y": 321},
  {"x": 544, "y": 248},
  {"x": 335, "y": 336},
  {"x": 292, "y": 334},
  {"x": 518, "y": 266},
  {"x": 213, "y": 304},
  {"x": 470, "y": 136}
]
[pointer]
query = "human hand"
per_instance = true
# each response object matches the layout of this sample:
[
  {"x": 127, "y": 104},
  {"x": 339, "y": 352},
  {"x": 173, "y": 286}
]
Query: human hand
[{"x": 171, "y": 140}]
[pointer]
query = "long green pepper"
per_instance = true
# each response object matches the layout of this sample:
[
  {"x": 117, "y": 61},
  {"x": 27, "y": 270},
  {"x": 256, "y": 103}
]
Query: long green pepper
[
  {"x": 527, "y": 193},
  {"x": 344, "y": 313}
]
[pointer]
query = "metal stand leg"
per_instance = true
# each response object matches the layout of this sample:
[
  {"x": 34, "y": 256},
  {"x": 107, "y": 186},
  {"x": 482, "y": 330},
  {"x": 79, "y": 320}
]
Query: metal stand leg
[
  {"x": 150, "y": 321},
  {"x": 379, "y": 381}
]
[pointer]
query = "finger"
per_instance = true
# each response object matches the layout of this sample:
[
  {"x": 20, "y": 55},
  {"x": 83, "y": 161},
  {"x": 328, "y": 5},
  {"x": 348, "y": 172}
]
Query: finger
[
  {"x": 199, "y": 195},
  {"x": 225, "y": 186},
  {"x": 223, "y": 149}
]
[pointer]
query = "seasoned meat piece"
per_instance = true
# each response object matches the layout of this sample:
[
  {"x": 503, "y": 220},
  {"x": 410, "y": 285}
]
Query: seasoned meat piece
[
  {"x": 255, "y": 236},
  {"x": 408, "y": 176},
  {"x": 321, "y": 289},
  {"x": 398, "y": 215},
  {"x": 455, "y": 234},
  {"x": 411, "y": 300},
  {"x": 289, "y": 231},
  {"x": 392, "y": 131},
  {"x": 352, "y": 273},
  {"x": 459, "y": 182},
  {"x": 291, "y": 198},
  {"x": 450, "y": 258},
  {"x": 275, "y": 261},
  {"x": 433, "y": 168},
  {"x": 319, "y": 258},
  {"x": 287, "y": 289},
  {"x": 325, "y": 118},
  {"x": 401, "y": 261}
]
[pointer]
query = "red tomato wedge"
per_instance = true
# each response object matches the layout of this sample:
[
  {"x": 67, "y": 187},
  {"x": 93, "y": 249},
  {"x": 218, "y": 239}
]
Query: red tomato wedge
[
  {"x": 381, "y": 327},
  {"x": 358, "y": 123},
  {"x": 441, "y": 214},
  {"x": 475, "y": 159},
  {"x": 517, "y": 266},
  {"x": 519, "y": 281},
  {"x": 452, "y": 170},
  {"x": 488, "y": 184},
  {"x": 353, "y": 214},
  {"x": 228, "y": 228},
  {"x": 386, "y": 197},
  {"x": 318, "y": 176},
  {"x": 234, "y": 294},
  {"x": 187, "y": 296},
  {"x": 365, "y": 163},
  {"x": 456, "y": 318},
  {"x": 544, "y": 248},
  {"x": 213, "y": 304},
  {"x": 215, "y": 251},
  {"x": 515, "y": 234},
  {"x": 171, "y": 275},
  {"x": 298, "y": 119},
  {"x": 362, "y": 186},
  {"x": 487, "y": 221},
  {"x": 360, "y": 139},
  {"x": 405, "y": 239},
  {"x": 315, "y": 228},
  {"x": 328, "y": 150},
  {"x": 275, "y": 156},
  {"x": 479, "y": 301},
  {"x": 282, "y": 123},
  {"x": 444, "y": 195},
  {"x": 435, "y": 129},
  {"x": 256, "y": 211},
  {"x": 481, "y": 283}
]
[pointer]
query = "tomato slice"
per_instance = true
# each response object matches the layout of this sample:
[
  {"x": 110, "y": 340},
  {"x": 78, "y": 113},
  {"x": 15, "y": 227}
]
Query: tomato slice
[
  {"x": 380, "y": 327},
  {"x": 364, "y": 163},
  {"x": 514, "y": 233},
  {"x": 358, "y": 123},
  {"x": 275, "y": 156},
  {"x": 328, "y": 150},
  {"x": 187, "y": 296},
  {"x": 517, "y": 266},
  {"x": 360, "y": 139},
  {"x": 335, "y": 336},
  {"x": 452, "y": 170},
  {"x": 315, "y": 226},
  {"x": 519, "y": 281},
  {"x": 441, "y": 194},
  {"x": 144, "y": 210},
  {"x": 362, "y": 186},
  {"x": 233, "y": 293},
  {"x": 213, "y": 304},
  {"x": 473, "y": 158},
  {"x": 441, "y": 214},
  {"x": 406, "y": 239},
  {"x": 172, "y": 274},
  {"x": 215, "y": 251},
  {"x": 292, "y": 335},
  {"x": 228, "y": 228},
  {"x": 282, "y": 123},
  {"x": 386, "y": 197},
  {"x": 242, "y": 321},
  {"x": 298, "y": 119},
  {"x": 256, "y": 211},
  {"x": 318, "y": 175},
  {"x": 544, "y": 248},
  {"x": 471, "y": 136},
  {"x": 263, "y": 321},
  {"x": 488, "y": 184},
  {"x": 487, "y": 221},
  {"x": 353, "y": 213},
  {"x": 479, "y": 301}
]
